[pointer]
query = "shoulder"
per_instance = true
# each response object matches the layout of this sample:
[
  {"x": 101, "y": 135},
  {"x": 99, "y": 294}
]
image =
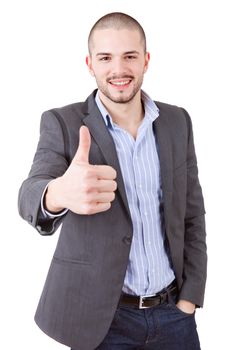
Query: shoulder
[
  {"x": 69, "y": 116},
  {"x": 174, "y": 119},
  {"x": 74, "y": 112},
  {"x": 173, "y": 113},
  {"x": 170, "y": 109},
  {"x": 73, "y": 109}
]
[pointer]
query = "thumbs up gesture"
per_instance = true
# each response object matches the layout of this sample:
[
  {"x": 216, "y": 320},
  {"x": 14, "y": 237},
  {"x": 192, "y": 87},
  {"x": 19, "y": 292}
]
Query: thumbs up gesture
[{"x": 83, "y": 188}]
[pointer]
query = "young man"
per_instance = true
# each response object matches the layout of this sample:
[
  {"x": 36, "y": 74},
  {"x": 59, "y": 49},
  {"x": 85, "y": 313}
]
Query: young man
[{"x": 120, "y": 173}]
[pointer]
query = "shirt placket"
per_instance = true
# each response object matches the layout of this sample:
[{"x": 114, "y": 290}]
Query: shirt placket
[{"x": 143, "y": 202}]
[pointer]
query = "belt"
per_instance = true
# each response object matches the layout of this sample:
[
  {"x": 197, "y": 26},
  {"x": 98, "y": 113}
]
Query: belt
[{"x": 147, "y": 301}]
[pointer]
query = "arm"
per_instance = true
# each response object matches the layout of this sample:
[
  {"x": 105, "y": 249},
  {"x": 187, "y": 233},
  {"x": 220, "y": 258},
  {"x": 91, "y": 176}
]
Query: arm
[
  {"x": 80, "y": 187},
  {"x": 49, "y": 163},
  {"x": 195, "y": 257}
]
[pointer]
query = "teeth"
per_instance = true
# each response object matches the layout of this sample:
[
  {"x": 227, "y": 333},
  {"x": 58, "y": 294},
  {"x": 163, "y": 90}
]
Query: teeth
[{"x": 120, "y": 83}]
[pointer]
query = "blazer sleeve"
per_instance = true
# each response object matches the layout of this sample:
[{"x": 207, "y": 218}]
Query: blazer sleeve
[
  {"x": 49, "y": 163},
  {"x": 195, "y": 256}
]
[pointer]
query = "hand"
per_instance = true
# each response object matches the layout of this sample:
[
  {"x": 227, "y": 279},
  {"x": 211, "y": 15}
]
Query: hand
[
  {"x": 84, "y": 188},
  {"x": 186, "y": 306}
]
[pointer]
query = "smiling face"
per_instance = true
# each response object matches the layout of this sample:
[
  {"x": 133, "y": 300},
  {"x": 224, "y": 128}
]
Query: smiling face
[{"x": 118, "y": 63}]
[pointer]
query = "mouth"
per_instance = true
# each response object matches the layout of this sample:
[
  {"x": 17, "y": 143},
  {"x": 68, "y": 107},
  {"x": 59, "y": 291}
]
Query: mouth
[{"x": 120, "y": 83}]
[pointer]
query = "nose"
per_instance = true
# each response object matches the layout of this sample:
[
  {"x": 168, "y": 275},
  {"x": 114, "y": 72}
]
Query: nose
[{"x": 119, "y": 67}]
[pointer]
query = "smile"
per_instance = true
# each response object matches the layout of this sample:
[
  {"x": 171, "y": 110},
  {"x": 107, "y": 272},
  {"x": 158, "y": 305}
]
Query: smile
[{"x": 120, "y": 83}]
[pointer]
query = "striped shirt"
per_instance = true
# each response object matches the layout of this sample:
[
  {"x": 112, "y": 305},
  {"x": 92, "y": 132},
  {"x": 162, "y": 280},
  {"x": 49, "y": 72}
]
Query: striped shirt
[{"x": 149, "y": 269}]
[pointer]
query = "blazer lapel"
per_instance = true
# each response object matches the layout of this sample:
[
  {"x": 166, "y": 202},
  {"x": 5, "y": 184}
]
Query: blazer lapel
[
  {"x": 161, "y": 129},
  {"x": 95, "y": 123}
]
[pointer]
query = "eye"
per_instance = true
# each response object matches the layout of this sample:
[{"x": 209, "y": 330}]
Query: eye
[
  {"x": 105, "y": 58},
  {"x": 130, "y": 57}
]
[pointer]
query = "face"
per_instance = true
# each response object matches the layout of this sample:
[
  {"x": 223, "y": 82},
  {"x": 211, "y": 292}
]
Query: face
[{"x": 118, "y": 63}]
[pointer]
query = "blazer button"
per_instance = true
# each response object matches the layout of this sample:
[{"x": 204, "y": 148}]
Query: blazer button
[{"x": 127, "y": 240}]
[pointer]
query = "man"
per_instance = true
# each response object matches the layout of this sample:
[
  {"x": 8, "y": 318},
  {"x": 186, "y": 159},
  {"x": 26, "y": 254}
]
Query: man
[{"x": 119, "y": 172}]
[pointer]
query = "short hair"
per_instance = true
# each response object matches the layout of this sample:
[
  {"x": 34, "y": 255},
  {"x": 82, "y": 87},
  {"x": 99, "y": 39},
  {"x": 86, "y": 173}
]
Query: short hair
[{"x": 117, "y": 20}]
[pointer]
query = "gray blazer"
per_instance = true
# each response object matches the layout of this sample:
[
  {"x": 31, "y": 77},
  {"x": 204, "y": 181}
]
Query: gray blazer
[{"x": 87, "y": 271}]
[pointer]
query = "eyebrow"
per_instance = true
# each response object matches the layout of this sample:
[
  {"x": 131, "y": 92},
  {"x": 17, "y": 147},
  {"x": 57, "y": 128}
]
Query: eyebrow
[{"x": 133, "y": 52}]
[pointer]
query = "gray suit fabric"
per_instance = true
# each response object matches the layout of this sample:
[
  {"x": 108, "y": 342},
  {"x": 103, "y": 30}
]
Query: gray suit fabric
[{"x": 86, "y": 275}]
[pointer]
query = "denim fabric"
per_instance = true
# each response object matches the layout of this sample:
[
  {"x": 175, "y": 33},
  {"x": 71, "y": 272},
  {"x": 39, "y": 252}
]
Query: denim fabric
[
  {"x": 160, "y": 328},
  {"x": 164, "y": 327}
]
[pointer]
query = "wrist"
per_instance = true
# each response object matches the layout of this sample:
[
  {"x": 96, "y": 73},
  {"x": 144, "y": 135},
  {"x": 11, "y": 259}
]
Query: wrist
[{"x": 51, "y": 200}]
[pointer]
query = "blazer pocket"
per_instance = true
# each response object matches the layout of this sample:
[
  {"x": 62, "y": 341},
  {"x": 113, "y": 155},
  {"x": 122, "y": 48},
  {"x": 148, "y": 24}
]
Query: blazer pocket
[{"x": 65, "y": 261}]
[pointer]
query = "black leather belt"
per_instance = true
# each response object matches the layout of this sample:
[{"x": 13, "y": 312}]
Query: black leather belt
[{"x": 147, "y": 301}]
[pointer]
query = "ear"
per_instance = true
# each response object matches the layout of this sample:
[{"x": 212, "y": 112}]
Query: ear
[
  {"x": 147, "y": 59},
  {"x": 89, "y": 65}
]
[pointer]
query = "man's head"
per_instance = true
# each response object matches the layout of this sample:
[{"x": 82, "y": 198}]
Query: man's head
[
  {"x": 117, "y": 56},
  {"x": 118, "y": 21}
]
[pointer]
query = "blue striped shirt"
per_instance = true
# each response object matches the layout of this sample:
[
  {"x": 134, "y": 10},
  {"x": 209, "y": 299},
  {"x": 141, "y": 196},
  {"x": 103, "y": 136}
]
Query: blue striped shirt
[{"x": 149, "y": 269}]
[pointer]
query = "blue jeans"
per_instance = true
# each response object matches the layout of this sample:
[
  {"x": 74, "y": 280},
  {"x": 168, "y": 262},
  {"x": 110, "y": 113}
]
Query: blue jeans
[{"x": 164, "y": 327}]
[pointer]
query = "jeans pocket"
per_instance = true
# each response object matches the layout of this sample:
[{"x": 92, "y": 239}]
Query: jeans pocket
[
  {"x": 177, "y": 309},
  {"x": 172, "y": 304}
]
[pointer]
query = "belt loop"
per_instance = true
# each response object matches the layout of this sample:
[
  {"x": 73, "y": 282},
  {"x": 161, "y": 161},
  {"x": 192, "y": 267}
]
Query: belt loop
[{"x": 171, "y": 296}]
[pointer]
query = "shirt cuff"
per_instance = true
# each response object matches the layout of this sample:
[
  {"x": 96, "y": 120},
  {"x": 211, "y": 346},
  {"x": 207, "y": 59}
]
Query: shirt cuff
[{"x": 45, "y": 212}]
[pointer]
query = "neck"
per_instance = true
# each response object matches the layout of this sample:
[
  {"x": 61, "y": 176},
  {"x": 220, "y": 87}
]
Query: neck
[{"x": 126, "y": 115}]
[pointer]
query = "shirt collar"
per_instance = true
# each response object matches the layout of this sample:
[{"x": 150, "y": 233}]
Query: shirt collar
[{"x": 151, "y": 109}]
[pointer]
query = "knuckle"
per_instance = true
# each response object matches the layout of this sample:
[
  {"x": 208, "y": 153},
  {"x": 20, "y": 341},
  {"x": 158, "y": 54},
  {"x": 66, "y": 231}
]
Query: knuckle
[
  {"x": 86, "y": 188},
  {"x": 88, "y": 172}
]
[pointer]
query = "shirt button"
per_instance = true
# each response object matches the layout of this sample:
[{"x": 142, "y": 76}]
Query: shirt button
[{"x": 127, "y": 240}]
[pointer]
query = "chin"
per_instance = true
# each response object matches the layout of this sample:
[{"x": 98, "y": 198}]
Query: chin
[{"x": 121, "y": 96}]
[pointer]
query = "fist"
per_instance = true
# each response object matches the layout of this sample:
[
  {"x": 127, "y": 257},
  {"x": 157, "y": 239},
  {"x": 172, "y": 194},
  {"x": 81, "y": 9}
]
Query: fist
[{"x": 83, "y": 188}]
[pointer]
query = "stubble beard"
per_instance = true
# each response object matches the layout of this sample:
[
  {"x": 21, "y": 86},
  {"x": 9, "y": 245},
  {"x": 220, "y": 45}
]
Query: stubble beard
[{"x": 120, "y": 98}]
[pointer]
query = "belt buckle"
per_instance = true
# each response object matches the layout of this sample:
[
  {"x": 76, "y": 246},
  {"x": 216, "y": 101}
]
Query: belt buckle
[{"x": 141, "y": 301}]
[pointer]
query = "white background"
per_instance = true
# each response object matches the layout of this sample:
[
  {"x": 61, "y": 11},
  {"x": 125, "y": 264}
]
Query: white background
[{"x": 43, "y": 48}]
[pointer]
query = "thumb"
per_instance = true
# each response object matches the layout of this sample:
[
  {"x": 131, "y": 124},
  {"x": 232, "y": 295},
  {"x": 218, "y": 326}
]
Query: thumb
[{"x": 82, "y": 154}]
